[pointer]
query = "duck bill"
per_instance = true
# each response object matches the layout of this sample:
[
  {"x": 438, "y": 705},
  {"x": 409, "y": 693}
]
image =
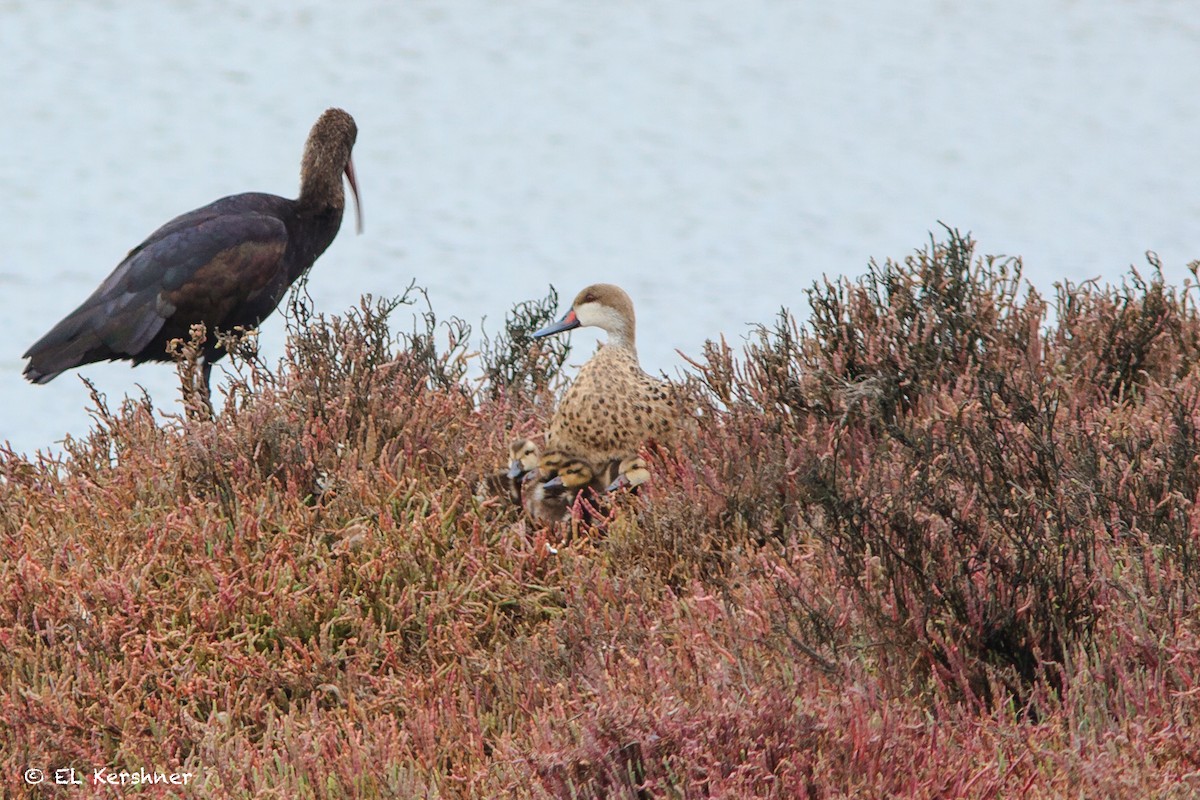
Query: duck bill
[
  {"x": 553, "y": 483},
  {"x": 354, "y": 190},
  {"x": 565, "y": 324},
  {"x": 617, "y": 484},
  {"x": 516, "y": 470}
]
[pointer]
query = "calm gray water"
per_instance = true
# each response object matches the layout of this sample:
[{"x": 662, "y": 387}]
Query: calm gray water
[{"x": 713, "y": 158}]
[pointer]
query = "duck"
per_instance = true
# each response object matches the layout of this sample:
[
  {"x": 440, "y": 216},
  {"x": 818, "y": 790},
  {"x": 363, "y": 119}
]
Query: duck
[{"x": 612, "y": 407}]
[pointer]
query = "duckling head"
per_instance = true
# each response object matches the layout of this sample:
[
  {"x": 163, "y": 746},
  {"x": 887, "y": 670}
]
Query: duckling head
[
  {"x": 632, "y": 473},
  {"x": 549, "y": 464},
  {"x": 601, "y": 305},
  {"x": 524, "y": 458},
  {"x": 572, "y": 475}
]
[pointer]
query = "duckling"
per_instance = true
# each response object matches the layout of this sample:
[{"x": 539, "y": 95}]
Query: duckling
[
  {"x": 524, "y": 459},
  {"x": 612, "y": 407},
  {"x": 547, "y": 470},
  {"x": 552, "y": 501},
  {"x": 629, "y": 473},
  {"x": 548, "y": 465}
]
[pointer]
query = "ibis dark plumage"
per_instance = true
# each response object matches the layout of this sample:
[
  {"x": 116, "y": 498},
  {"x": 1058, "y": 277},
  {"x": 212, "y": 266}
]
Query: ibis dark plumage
[{"x": 225, "y": 265}]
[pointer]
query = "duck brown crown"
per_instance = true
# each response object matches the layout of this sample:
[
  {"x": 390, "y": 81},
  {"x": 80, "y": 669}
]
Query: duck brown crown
[{"x": 613, "y": 312}]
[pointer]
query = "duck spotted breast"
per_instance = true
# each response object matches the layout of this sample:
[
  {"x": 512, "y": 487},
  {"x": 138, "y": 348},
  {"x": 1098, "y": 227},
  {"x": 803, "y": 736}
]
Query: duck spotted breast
[{"x": 612, "y": 407}]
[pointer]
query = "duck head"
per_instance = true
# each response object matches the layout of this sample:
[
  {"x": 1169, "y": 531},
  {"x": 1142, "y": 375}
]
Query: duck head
[{"x": 601, "y": 305}]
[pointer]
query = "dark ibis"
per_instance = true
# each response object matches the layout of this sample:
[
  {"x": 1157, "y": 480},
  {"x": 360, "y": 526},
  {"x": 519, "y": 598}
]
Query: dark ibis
[{"x": 226, "y": 265}]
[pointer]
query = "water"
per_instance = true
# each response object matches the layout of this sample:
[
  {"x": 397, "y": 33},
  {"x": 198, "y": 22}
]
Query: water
[{"x": 713, "y": 158}]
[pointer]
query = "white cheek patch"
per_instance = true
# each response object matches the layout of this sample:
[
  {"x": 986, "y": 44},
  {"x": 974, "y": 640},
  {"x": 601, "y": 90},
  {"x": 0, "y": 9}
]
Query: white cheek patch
[
  {"x": 587, "y": 313},
  {"x": 598, "y": 316}
]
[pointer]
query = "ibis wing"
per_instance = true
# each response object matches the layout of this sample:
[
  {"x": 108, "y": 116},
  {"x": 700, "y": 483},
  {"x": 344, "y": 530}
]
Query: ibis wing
[
  {"x": 239, "y": 283},
  {"x": 195, "y": 269}
]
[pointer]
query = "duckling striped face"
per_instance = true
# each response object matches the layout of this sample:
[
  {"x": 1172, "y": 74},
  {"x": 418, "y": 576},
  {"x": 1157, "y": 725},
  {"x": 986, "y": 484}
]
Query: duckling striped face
[
  {"x": 550, "y": 463},
  {"x": 573, "y": 475},
  {"x": 524, "y": 458},
  {"x": 632, "y": 473}
]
